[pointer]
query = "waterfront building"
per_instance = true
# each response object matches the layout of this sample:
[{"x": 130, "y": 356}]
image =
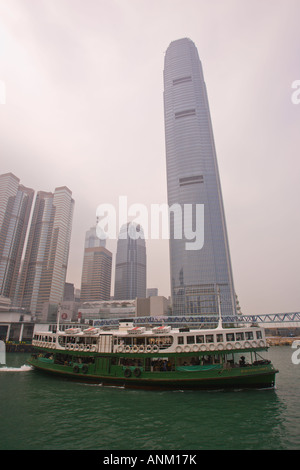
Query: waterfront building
[
  {"x": 16, "y": 324},
  {"x": 131, "y": 269},
  {"x": 46, "y": 257},
  {"x": 108, "y": 310},
  {"x": 65, "y": 311},
  {"x": 155, "y": 305},
  {"x": 96, "y": 270},
  {"x": 15, "y": 206},
  {"x": 114, "y": 310},
  {"x": 193, "y": 178}
]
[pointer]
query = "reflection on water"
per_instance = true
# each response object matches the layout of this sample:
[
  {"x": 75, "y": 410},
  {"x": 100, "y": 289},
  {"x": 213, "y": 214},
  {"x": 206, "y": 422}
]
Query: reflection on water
[{"x": 41, "y": 412}]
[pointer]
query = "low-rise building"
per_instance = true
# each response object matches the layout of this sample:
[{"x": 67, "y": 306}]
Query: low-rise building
[{"x": 16, "y": 324}]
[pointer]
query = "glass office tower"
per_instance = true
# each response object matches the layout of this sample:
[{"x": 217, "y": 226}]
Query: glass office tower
[
  {"x": 46, "y": 257},
  {"x": 96, "y": 269},
  {"x": 130, "y": 274},
  {"x": 193, "y": 178},
  {"x": 15, "y": 206}
]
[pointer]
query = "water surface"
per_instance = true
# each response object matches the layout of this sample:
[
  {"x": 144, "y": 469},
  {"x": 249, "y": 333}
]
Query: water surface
[{"x": 41, "y": 412}]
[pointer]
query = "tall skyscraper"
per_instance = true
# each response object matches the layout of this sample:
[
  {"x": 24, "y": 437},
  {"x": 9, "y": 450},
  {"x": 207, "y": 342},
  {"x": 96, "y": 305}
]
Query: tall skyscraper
[
  {"x": 131, "y": 269},
  {"x": 193, "y": 178},
  {"x": 46, "y": 258},
  {"x": 96, "y": 269},
  {"x": 15, "y": 206}
]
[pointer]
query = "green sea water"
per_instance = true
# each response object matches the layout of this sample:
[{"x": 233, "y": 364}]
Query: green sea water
[{"x": 40, "y": 412}]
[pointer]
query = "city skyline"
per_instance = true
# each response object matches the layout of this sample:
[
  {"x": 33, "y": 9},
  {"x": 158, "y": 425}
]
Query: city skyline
[{"x": 84, "y": 109}]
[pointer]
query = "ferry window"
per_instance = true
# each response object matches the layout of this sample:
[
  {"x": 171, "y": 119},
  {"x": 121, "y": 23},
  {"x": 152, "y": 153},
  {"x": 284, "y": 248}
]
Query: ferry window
[
  {"x": 180, "y": 340},
  {"x": 199, "y": 339},
  {"x": 229, "y": 336},
  {"x": 239, "y": 336},
  {"x": 190, "y": 339},
  {"x": 150, "y": 340},
  {"x": 249, "y": 334},
  {"x": 258, "y": 334},
  {"x": 209, "y": 338},
  {"x": 219, "y": 338},
  {"x": 162, "y": 341}
]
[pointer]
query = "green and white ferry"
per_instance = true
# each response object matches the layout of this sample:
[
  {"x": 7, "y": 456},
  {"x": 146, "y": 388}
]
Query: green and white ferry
[{"x": 157, "y": 357}]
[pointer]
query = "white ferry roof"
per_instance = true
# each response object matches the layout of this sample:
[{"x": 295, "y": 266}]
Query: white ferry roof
[
  {"x": 178, "y": 331},
  {"x": 141, "y": 331}
]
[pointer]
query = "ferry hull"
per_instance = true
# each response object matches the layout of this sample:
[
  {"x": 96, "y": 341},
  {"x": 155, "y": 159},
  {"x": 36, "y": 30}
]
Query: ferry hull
[{"x": 260, "y": 377}]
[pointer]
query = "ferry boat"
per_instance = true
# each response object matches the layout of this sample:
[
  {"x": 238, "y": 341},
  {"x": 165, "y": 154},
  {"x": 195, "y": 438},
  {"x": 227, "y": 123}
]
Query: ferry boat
[{"x": 158, "y": 358}]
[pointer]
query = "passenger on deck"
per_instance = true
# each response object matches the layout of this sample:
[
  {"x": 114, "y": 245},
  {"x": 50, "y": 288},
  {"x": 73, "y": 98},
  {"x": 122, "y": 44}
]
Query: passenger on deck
[{"x": 242, "y": 361}]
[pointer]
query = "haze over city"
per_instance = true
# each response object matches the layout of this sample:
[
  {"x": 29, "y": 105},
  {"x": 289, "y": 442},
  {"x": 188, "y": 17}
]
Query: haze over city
[{"x": 84, "y": 109}]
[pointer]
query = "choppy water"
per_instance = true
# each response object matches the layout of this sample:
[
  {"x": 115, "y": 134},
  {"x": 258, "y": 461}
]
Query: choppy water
[{"x": 40, "y": 412}]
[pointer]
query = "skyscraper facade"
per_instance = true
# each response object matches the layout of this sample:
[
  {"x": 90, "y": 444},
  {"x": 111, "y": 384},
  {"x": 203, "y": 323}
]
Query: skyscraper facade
[
  {"x": 46, "y": 258},
  {"x": 193, "y": 178},
  {"x": 96, "y": 269},
  {"x": 131, "y": 267},
  {"x": 15, "y": 206}
]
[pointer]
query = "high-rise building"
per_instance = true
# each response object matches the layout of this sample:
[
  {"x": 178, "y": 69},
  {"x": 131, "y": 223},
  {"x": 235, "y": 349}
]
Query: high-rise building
[
  {"x": 152, "y": 292},
  {"x": 193, "y": 178},
  {"x": 46, "y": 258},
  {"x": 96, "y": 269},
  {"x": 92, "y": 240},
  {"x": 69, "y": 292},
  {"x": 15, "y": 206},
  {"x": 131, "y": 269}
]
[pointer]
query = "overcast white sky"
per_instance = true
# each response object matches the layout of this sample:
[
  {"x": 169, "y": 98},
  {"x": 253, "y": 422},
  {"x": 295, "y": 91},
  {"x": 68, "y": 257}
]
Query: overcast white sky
[{"x": 84, "y": 108}]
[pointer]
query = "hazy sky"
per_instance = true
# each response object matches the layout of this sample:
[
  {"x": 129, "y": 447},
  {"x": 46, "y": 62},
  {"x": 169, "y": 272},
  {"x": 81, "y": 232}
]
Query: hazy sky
[{"x": 84, "y": 108}]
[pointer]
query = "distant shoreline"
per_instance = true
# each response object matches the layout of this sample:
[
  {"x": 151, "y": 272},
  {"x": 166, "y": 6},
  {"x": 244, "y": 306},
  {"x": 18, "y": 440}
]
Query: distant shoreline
[{"x": 281, "y": 340}]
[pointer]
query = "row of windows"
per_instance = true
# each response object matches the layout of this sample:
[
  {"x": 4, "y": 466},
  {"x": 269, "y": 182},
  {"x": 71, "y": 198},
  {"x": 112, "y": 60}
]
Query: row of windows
[
  {"x": 182, "y": 80},
  {"x": 187, "y": 112},
  {"x": 190, "y": 180},
  {"x": 220, "y": 337}
]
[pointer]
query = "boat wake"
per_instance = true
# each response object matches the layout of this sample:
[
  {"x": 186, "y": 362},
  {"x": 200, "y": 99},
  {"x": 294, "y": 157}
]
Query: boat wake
[
  {"x": 23, "y": 368},
  {"x": 101, "y": 384}
]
